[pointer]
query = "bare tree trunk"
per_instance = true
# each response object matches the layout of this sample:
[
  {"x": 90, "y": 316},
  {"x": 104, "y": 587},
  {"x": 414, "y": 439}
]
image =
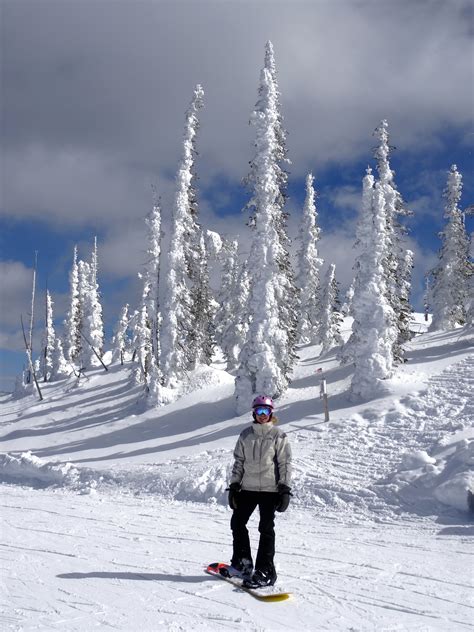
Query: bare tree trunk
[
  {"x": 93, "y": 349},
  {"x": 30, "y": 360},
  {"x": 32, "y": 314}
]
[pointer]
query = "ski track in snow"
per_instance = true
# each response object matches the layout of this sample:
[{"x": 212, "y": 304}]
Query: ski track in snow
[{"x": 349, "y": 459}]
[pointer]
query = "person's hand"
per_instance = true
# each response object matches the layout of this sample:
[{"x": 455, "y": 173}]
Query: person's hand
[
  {"x": 234, "y": 491},
  {"x": 284, "y": 493}
]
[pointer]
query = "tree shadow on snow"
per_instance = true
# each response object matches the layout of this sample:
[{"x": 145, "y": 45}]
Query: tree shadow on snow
[
  {"x": 199, "y": 421},
  {"x": 150, "y": 577}
]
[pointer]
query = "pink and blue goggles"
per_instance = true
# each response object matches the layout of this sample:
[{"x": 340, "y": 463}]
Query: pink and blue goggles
[{"x": 262, "y": 410}]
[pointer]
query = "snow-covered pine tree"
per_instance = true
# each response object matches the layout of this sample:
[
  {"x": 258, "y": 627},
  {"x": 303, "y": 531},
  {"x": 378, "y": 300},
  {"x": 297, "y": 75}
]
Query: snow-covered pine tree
[
  {"x": 450, "y": 286},
  {"x": 232, "y": 315},
  {"x": 55, "y": 365},
  {"x": 309, "y": 269},
  {"x": 405, "y": 268},
  {"x": 201, "y": 339},
  {"x": 266, "y": 359},
  {"x": 287, "y": 292},
  {"x": 178, "y": 317},
  {"x": 398, "y": 273},
  {"x": 151, "y": 276},
  {"x": 469, "y": 211},
  {"x": 92, "y": 326},
  {"x": 96, "y": 329},
  {"x": 49, "y": 339},
  {"x": 147, "y": 371},
  {"x": 330, "y": 314},
  {"x": 347, "y": 305},
  {"x": 374, "y": 329},
  {"x": 144, "y": 353},
  {"x": 61, "y": 368},
  {"x": 228, "y": 256},
  {"x": 73, "y": 323},
  {"x": 133, "y": 326},
  {"x": 84, "y": 287},
  {"x": 121, "y": 343}
]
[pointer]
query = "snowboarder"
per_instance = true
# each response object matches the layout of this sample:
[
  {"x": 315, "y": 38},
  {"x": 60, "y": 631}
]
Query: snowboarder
[{"x": 261, "y": 476}]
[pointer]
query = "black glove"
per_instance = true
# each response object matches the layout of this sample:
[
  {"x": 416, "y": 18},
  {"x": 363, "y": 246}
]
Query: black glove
[
  {"x": 284, "y": 493},
  {"x": 234, "y": 491}
]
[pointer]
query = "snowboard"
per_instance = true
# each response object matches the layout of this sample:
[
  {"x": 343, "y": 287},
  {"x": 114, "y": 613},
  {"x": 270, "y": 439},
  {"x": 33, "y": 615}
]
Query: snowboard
[{"x": 267, "y": 593}]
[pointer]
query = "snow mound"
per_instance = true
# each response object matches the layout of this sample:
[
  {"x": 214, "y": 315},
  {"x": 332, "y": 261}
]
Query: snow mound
[
  {"x": 201, "y": 378},
  {"x": 448, "y": 477},
  {"x": 200, "y": 478},
  {"x": 414, "y": 460},
  {"x": 28, "y": 469}
]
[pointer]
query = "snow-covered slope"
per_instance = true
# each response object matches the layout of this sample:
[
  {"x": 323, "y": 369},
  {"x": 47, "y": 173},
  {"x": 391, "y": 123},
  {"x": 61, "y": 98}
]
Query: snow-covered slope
[{"x": 103, "y": 498}]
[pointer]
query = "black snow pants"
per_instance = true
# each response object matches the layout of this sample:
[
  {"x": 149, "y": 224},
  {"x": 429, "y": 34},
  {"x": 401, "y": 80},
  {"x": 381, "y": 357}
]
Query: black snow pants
[{"x": 247, "y": 502}]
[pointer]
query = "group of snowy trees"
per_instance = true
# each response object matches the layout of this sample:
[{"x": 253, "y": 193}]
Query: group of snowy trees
[
  {"x": 263, "y": 308},
  {"x": 270, "y": 302},
  {"x": 82, "y": 344},
  {"x": 84, "y": 326}
]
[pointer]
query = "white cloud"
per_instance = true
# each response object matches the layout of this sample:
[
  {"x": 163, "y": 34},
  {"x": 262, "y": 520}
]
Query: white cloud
[
  {"x": 98, "y": 111},
  {"x": 15, "y": 292}
]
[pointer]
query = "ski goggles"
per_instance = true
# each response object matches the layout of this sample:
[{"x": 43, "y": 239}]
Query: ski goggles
[{"x": 262, "y": 410}]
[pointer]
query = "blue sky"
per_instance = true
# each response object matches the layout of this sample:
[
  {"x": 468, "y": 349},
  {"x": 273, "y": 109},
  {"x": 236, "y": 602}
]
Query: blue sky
[{"x": 94, "y": 98}]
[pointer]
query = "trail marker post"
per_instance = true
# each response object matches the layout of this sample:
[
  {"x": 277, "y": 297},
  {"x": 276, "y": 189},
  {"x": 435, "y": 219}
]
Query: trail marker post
[{"x": 323, "y": 394}]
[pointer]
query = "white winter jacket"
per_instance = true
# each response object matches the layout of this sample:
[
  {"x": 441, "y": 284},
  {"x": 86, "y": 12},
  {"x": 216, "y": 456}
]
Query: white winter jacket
[{"x": 262, "y": 458}]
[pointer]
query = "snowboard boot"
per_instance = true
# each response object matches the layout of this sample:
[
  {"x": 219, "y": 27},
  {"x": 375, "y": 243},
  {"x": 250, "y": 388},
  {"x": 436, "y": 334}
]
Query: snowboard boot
[
  {"x": 241, "y": 568},
  {"x": 261, "y": 578}
]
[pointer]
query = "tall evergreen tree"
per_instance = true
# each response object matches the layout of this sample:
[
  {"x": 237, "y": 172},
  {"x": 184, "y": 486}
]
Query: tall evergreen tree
[
  {"x": 55, "y": 365},
  {"x": 87, "y": 357},
  {"x": 451, "y": 277},
  {"x": 201, "y": 338},
  {"x": 87, "y": 311},
  {"x": 374, "y": 330},
  {"x": 331, "y": 317},
  {"x": 398, "y": 273},
  {"x": 469, "y": 211},
  {"x": 49, "y": 339},
  {"x": 267, "y": 357},
  {"x": 405, "y": 268},
  {"x": 346, "y": 308},
  {"x": 232, "y": 315},
  {"x": 60, "y": 365},
  {"x": 121, "y": 343},
  {"x": 308, "y": 280},
  {"x": 73, "y": 322},
  {"x": 151, "y": 277},
  {"x": 95, "y": 317},
  {"x": 287, "y": 292},
  {"x": 144, "y": 351},
  {"x": 178, "y": 316}
]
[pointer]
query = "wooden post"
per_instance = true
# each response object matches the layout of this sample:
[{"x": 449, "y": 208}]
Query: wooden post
[{"x": 324, "y": 396}]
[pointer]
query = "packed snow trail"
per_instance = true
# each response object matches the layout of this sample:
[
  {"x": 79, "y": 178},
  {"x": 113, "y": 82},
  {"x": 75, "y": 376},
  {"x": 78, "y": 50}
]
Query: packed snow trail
[
  {"x": 350, "y": 458},
  {"x": 78, "y": 563}
]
